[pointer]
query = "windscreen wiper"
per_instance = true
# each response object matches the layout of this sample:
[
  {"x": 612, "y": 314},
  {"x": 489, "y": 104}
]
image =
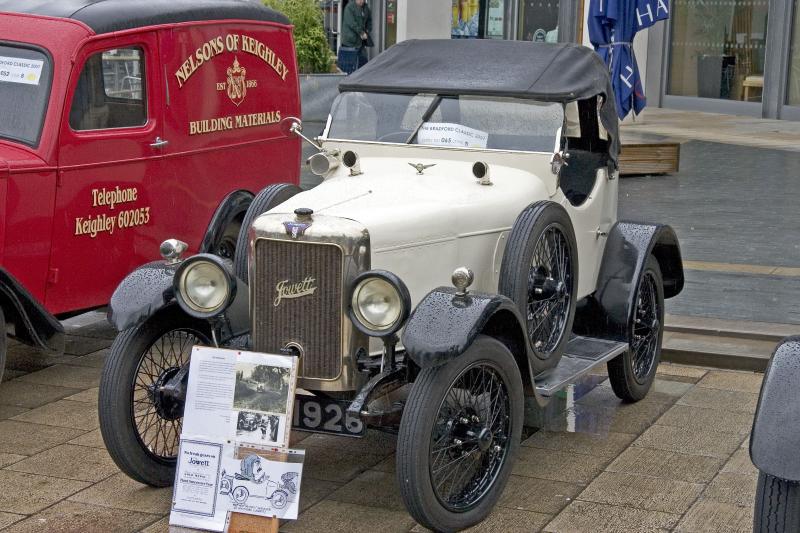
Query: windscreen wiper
[{"x": 425, "y": 117}]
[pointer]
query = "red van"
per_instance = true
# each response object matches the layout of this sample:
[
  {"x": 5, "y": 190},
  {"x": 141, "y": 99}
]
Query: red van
[{"x": 122, "y": 122}]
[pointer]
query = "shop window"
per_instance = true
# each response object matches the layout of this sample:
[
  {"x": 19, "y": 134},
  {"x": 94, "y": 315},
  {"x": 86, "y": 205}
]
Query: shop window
[
  {"x": 717, "y": 49},
  {"x": 110, "y": 92}
]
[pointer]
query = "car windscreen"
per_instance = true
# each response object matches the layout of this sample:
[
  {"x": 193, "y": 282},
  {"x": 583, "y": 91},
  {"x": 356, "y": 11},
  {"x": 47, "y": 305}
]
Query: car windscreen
[
  {"x": 25, "y": 76},
  {"x": 451, "y": 121}
]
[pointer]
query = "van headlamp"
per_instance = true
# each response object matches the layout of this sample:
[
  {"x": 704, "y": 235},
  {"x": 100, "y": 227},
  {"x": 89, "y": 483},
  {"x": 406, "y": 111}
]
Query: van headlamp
[{"x": 204, "y": 286}]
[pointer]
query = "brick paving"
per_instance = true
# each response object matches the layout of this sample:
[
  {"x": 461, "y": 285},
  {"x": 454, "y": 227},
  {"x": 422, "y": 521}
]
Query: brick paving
[{"x": 676, "y": 461}]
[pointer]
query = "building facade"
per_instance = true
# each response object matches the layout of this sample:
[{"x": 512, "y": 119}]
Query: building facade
[{"x": 727, "y": 56}]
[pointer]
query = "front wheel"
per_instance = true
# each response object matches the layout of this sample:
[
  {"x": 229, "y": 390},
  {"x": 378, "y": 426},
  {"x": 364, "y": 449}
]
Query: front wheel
[
  {"x": 777, "y": 506},
  {"x": 459, "y": 437},
  {"x": 140, "y": 427}
]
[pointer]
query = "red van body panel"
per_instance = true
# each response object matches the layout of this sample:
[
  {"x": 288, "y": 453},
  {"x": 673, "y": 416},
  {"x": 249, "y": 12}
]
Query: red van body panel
[{"x": 82, "y": 209}]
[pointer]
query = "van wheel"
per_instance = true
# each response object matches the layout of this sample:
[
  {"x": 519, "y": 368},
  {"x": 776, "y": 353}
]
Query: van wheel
[
  {"x": 268, "y": 198},
  {"x": 3, "y": 344},
  {"x": 459, "y": 437},
  {"x": 141, "y": 427},
  {"x": 777, "y": 505},
  {"x": 632, "y": 373},
  {"x": 225, "y": 247},
  {"x": 540, "y": 274}
]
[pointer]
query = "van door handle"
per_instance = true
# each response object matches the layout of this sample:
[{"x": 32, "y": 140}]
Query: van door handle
[{"x": 159, "y": 143}]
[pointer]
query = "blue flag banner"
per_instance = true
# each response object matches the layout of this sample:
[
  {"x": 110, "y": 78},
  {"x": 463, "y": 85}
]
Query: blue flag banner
[{"x": 613, "y": 24}]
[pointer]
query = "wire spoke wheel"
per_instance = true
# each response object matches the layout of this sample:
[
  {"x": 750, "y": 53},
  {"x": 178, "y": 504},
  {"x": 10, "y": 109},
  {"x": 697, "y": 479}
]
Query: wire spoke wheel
[
  {"x": 550, "y": 286},
  {"x": 158, "y": 421},
  {"x": 470, "y": 437},
  {"x": 646, "y": 327}
]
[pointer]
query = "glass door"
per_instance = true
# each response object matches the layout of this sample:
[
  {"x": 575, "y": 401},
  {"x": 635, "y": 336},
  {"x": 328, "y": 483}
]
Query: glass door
[{"x": 538, "y": 20}]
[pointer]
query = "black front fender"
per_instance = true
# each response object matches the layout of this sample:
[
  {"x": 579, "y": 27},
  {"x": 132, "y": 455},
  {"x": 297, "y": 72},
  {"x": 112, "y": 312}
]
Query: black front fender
[
  {"x": 33, "y": 324},
  {"x": 776, "y": 426},
  {"x": 607, "y": 312},
  {"x": 444, "y": 326},
  {"x": 141, "y": 294}
]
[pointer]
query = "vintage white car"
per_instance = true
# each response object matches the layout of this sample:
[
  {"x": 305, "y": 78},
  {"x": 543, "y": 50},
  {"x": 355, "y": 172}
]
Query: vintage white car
[{"x": 491, "y": 164}]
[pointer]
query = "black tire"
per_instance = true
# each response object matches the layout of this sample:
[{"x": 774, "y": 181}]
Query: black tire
[
  {"x": 268, "y": 198},
  {"x": 422, "y": 428},
  {"x": 632, "y": 373},
  {"x": 542, "y": 286},
  {"x": 129, "y": 369},
  {"x": 225, "y": 246},
  {"x": 3, "y": 344},
  {"x": 777, "y": 508}
]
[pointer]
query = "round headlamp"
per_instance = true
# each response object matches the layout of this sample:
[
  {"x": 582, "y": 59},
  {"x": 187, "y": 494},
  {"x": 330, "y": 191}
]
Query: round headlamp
[
  {"x": 204, "y": 287},
  {"x": 380, "y": 303}
]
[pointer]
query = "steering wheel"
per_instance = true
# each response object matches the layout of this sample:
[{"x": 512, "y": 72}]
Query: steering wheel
[{"x": 395, "y": 136}]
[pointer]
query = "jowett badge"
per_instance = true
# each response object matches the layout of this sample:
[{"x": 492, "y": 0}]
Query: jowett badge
[
  {"x": 237, "y": 86},
  {"x": 288, "y": 290}
]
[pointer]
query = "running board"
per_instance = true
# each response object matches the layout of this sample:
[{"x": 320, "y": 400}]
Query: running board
[{"x": 580, "y": 356}]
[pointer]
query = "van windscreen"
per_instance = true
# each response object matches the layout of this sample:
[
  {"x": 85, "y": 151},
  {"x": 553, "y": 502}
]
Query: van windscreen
[{"x": 25, "y": 76}]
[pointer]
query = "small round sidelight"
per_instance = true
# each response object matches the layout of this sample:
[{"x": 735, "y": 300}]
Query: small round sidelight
[
  {"x": 481, "y": 172},
  {"x": 462, "y": 278}
]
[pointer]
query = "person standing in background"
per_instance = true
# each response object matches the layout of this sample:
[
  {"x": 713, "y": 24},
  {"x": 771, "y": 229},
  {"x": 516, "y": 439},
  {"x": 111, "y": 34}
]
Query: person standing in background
[{"x": 356, "y": 28}]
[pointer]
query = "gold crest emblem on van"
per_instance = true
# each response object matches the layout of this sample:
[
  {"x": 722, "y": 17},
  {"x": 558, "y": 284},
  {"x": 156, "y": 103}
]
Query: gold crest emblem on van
[
  {"x": 237, "y": 85},
  {"x": 287, "y": 290}
]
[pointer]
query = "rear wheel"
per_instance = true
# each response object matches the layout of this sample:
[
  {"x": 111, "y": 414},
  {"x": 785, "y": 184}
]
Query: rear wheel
[
  {"x": 540, "y": 274},
  {"x": 225, "y": 247},
  {"x": 459, "y": 436},
  {"x": 141, "y": 428},
  {"x": 777, "y": 506},
  {"x": 632, "y": 373},
  {"x": 265, "y": 200}
]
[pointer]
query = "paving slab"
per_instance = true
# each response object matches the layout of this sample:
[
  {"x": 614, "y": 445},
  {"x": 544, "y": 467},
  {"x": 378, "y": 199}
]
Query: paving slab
[
  {"x": 642, "y": 492},
  {"x": 740, "y": 463},
  {"x": 588, "y": 418},
  {"x": 71, "y": 517},
  {"x": 162, "y": 526},
  {"x": 744, "y": 402},
  {"x": 6, "y": 519},
  {"x": 69, "y": 462},
  {"x": 314, "y": 491},
  {"x": 95, "y": 359},
  {"x": 29, "y": 493},
  {"x": 8, "y": 411},
  {"x": 28, "y": 439},
  {"x": 608, "y": 446},
  {"x": 685, "y": 374},
  {"x": 88, "y": 396},
  {"x": 504, "y": 520},
  {"x": 371, "y": 488},
  {"x": 550, "y": 496},
  {"x": 374, "y": 442},
  {"x": 63, "y": 413},
  {"x": 79, "y": 345},
  {"x": 666, "y": 464},
  {"x": 121, "y": 492},
  {"x": 558, "y": 465},
  {"x": 589, "y": 517},
  {"x": 77, "y": 377},
  {"x": 733, "y": 381},
  {"x": 339, "y": 517},
  {"x": 92, "y": 439},
  {"x": 10, "y": 458},
  {"x": 701, "y": 419},
  {"x": 709, "y": 516},
  {"x": 10, "y": 374},
  {"x": 27, "y": 359},
  {"x": 710, "y": 443},
  {"x": 734, "y": 488},
  {"x": 663, "y": 391},
  {"x": 329, "y": 464},
  {"x": 18, "y": 393}
]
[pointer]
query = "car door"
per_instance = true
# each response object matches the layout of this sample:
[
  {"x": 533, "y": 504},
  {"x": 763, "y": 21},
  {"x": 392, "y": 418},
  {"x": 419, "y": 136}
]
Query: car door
[{"x": 110, "y": 155}]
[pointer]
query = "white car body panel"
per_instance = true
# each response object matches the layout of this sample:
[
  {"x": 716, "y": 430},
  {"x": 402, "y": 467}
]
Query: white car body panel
[{"x": 422, "y": 227}]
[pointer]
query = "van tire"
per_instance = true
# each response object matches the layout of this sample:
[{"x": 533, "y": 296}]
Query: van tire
[{"x": 268, "y": 198}]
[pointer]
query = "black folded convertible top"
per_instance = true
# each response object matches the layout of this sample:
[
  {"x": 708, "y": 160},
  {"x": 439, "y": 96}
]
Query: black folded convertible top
[
  {"x": 105, "y": 16},
  {"x": 520, "y": 69}
]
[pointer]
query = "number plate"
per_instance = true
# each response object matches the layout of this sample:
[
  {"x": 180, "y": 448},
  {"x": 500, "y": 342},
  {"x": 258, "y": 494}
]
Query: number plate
[{"x": 321, "y": 415}]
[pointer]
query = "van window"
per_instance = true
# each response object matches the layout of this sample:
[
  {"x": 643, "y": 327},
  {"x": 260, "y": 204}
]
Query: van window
[{"x": 111, "y": 91}]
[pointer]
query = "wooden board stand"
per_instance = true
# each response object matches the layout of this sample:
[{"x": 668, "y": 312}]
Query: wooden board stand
[{"x": 649, "y": 158}]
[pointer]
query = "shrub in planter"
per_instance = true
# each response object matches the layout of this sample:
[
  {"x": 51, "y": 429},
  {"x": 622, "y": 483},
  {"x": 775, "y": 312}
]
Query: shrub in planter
[{"x": 313, "y": 54}]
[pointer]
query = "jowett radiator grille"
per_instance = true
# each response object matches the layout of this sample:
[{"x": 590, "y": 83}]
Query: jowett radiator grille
[{"x": 298, "y": 298}]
